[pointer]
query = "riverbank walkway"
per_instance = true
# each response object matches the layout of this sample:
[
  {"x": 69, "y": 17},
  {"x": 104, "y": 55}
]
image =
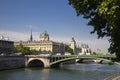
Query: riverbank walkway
[{"x": 114, "y": 77}]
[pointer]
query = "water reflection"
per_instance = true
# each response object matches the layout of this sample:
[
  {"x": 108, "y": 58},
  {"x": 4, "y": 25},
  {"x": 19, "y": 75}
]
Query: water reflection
[
  {"x": 40, "y": 73},
  {"x": 92, "y": 67},
  {"x": 66, "y": 72}
]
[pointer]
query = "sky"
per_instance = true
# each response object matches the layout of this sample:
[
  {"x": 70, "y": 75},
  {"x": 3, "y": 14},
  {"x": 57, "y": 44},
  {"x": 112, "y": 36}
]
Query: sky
[{"x": 57, "y": 17}]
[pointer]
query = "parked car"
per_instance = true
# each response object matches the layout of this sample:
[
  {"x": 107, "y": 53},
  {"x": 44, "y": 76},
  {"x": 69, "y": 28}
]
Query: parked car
[
  {"x": 87, "y": 53},
  {"x": 80, "y": 53},
  {"x": 58, "y": 54},
  {"x": 2, "y": 54},
  {"x": 67, "y": 53}
]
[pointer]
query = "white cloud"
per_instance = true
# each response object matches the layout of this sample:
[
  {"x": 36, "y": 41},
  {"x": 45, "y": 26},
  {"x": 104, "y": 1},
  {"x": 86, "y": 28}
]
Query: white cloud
[{"x": 14, "y": 36}]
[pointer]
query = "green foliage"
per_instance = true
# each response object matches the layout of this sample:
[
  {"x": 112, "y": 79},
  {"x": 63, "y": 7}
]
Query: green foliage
[
  {"x": 99, "y": 53},
  {"x": 34, "y": 52},
  {"x": 68, "y": 49},
  {"x": 18, "y": 49},
  {"x": 110, "y": 62},
  {"x": 94, "y": 53},
  {"x": 104, "y": 16},
  {"x": 25, "y": 50}
]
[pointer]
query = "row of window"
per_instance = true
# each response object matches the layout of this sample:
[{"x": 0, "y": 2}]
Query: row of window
[{"x": 6, "y": 44}]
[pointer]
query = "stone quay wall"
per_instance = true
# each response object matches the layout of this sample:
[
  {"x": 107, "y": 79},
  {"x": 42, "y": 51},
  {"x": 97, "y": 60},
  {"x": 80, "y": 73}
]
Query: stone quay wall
[{"x": 12, "y": 62}]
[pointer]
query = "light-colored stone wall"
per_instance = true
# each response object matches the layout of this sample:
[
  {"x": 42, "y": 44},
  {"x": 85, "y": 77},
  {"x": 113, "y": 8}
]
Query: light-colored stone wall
[
  {"x": 50, "y": 46},
  {"x": 44, "y": 44}
]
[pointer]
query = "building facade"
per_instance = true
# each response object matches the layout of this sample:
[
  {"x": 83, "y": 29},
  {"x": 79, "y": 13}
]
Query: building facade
[
  {"x": 84, "y": 48},
  {"x": 73, "y": 45},
  {"x": 44, "y": 44},
  {"x": 6, "y": 46}
]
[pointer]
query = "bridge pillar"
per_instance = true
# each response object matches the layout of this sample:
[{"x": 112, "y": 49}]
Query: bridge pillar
[
  {"x": 46, "y": 63},
  {"x": 26, "y": 61}
]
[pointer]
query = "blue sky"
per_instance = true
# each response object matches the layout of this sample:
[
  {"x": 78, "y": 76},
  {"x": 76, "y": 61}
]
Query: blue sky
[{"x": 18, "y": 17}]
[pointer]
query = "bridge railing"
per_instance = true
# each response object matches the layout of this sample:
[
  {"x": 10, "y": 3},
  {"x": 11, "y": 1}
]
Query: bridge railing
[
  {"x": 110, "y": 56},
  {"x": 54, "y": 58}
]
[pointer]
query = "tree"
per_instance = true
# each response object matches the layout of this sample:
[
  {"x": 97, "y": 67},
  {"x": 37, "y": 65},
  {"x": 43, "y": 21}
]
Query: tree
[
  {"x": 68, "y": 49},
  {"x": 94, "y": 53},
  {"x": 18, "y": 48},
  {"x": 22, "y": 49},
  {"x": 104, "y": 16},
  {"x": 34, "y": 52},
  {"x": 25, "y": 50}
]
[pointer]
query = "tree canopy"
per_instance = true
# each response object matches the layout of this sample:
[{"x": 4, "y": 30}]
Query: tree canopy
[
  {"x": 68, "y": 49},
  {"x": 104, "y": 16},
  {"x": 25, "y": 50}
]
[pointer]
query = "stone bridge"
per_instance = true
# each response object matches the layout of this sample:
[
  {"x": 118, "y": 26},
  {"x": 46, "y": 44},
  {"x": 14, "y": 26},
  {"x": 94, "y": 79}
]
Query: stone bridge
[
  {"x": 55, "y": 60},
  {"x": 37, "y": 60}
]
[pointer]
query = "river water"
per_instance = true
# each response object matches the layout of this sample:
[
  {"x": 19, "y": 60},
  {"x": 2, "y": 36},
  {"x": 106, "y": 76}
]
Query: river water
[{"x": 65, "y": 72}]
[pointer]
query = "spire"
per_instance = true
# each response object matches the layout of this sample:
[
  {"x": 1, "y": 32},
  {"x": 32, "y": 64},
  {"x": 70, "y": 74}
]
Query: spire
[
  {"x": 31, "y": 37},
  {"x": 73, "y": 39}
]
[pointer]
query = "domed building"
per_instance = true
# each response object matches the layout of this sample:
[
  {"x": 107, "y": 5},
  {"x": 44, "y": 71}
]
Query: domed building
[
  {"x": 44, "y": 36},
  {"x": 44, "y": 44}
]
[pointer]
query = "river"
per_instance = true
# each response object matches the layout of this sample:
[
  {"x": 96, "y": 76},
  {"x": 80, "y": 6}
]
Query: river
[{"x": 65, "y": 72}]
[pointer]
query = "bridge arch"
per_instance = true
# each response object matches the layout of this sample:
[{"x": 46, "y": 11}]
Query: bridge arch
[
  {"x": 35, "y": 62},
  {"x": 57, "y": 63},
  {"x": 96, "y": 60}
]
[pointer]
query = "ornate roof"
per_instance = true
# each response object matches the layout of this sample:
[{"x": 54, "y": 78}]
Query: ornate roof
[{"x": 44, "y": 34}]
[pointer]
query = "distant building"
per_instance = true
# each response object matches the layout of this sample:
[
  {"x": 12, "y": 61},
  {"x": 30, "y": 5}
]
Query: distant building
[
  {"x": 84, "y": 48},
  {"x": 6, "y": 46},
  {"x": 73, "y": 45},
  {"x": 44, "y": 44}
]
